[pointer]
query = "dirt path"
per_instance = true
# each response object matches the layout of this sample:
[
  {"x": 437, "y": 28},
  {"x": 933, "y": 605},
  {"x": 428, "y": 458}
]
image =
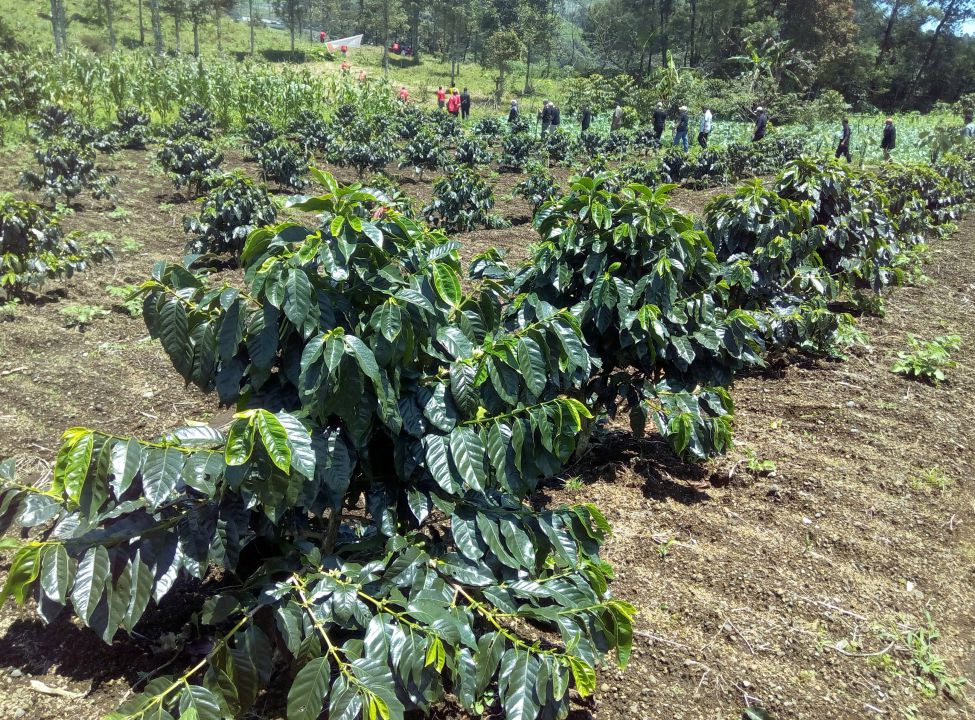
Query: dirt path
[{"x": 793, "y": 591}]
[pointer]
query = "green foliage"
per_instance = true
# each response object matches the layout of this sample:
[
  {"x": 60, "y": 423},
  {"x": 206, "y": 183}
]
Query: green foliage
[
  {"x": 645, "y": 287},
  {"x": 133, "y": 128},
  {"x": 194, "y": 121},
  {"x": 81, "y": 316},
  {"x": 127, "y": 297},
  {"x": 471, "y": 152},
  {"x": 538, "y": 186},
  {"x": 516, "y": 149},
  {"x": 283, "y": 162},
  {"x": 33, "y": 249},
  {"x": 229, "y": 212},
  {"x": 190, "y": 164},
  {"x": 67, "y": 170},
  {"x": 360, "y": 372},
  {"x": 423, "y": 152},
  {"x": 927, "y": 360},
  {"x": 462, "y": 202}
]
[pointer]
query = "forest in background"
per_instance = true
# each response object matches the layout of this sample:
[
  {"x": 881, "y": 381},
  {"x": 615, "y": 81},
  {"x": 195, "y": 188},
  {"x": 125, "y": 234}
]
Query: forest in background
[{"x": 897, "y": 55}]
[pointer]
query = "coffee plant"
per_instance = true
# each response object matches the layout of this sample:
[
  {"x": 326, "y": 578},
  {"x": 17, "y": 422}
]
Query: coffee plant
[
  {"x": 132, "y": 126},
  {"x": 364, "y": 156},
  {"x": 67, "y": 170},
  {"x": 644, "y": 285},
  {"x": 462, "y": 202},
  {"x": 488, "y": 129},
  {"x": 557, "y": 146},
  {"x": 284, "y": 163},
  {"x": 471, "y": 152},
  {"x": 257, "y": 134},
  {"x": 194, "y": 121},
  {"x": 190, "y": 163},
  {"x": 365, "y": 507},
  {"x": 538, "y": 186},
  {"x": 423, "y": 152},
  {"x": 52, "y": 121},
  {"x": 229, "y": 212},
  {"x": 311, "y": 131},
  {"x": 33, "y": 249},
  {"x": 516, "y": 150}
]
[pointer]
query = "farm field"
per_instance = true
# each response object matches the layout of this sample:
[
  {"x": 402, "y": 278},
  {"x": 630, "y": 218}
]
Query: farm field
[
  {"x": 794, "y": 588},
  {"x": 315, "y": 402}
]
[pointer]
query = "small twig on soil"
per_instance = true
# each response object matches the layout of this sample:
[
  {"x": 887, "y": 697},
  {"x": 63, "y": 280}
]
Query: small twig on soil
[
  {"x": 832, "y": 607},
  {"x": 151, "y": 417},
  {"x": 11, "y": 372},
  {"x": 45, "y": 689},
  {"x": 864, "y": 655},
  {"x": 657, "y": 638}
]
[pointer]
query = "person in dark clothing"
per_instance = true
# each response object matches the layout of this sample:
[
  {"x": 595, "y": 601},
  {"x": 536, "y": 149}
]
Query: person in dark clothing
[
  {"x": 680, "y": 132},
  {"x": 556, "y": 116},
  {"x": 465, "y": 104},
  {"x": 889, "y": 140},
  {"x": 659, "y": 121},
  {"x": 513, "y": 112},
  {"x": 761, "y": 124},
  {"x": 843, "y": 149},
  {"x": 585, "y": 117},
  {"x": 616, "y": 123},
  {"x": 546, "y": 117}
]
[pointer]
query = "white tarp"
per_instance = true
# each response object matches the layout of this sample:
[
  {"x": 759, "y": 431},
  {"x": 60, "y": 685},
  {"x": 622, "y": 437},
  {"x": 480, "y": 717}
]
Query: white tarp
[{"x": 353, "y": 42}]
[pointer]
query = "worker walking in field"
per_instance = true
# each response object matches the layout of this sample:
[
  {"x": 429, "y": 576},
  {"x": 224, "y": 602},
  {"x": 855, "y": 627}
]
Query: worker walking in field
[
  {"x": 617, "y": 122},
  {"x": 704, "y": 131},
  {"x": 680, "y": 132},
  {"x": 556, "y": 117},
  {"x": 585, "y": 118},
  {"x": 659, "y": 121},
  {"x": 843, "y": 149},
  {"x": 513, "y": 112},
  {"x": 889, "y": 140},
  {"x": 453, "y": 103},
  {"x": 441, "y": 97},
  {"x": 465, "y": 105},
  {"x": 969, "y": 130},
  {"x": 545, "y": 116},
  {"x": 404, "y": 95},
  {"x": 761, "y": 124}
]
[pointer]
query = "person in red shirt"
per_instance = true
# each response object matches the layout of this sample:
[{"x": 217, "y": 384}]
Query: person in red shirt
[
  {"x": 453, "y": 104},
  {"x": 404, "y": 94},
  {"x": 441, "y": 97},
  {"x": 321, "y": 37},
  {"x": 346, "y": 67}
]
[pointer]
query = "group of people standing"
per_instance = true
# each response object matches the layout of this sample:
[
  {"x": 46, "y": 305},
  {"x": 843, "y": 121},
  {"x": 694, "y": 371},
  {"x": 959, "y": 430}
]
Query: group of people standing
[{"x": 456, "y": 103}]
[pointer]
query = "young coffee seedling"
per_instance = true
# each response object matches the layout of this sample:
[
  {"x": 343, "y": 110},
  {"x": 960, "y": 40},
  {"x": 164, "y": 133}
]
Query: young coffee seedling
[
  {"x": 81, "y": 316},
  {"x": 927, "y": 360}
]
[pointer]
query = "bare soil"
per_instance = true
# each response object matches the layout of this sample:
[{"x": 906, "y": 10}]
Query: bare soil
[{"x": 795, "y": 589}]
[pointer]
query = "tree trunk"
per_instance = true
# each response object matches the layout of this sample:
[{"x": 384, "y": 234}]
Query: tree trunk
[
  {"x": 157, "y": 35},
  {"x": 110, "y": 22},
  {"x": 196, "y": 36},
  {"x": 63, "y": 23},
  {"x": 887, "y": 40},
  {"x": 291, "y": 24},
  {"x": 693, "y": 32},
  {"x": 528, "y": 70},
  {"x": 56, "y": 26},
  {"x": 218, "y": 12},
  {"x": 386, "y": 38},
  {"x": 142, "y": 27},
  {"x": 946, "y": 19},
  {"x": 250, "y": 11},
  {"x": 178, "y": 18}
]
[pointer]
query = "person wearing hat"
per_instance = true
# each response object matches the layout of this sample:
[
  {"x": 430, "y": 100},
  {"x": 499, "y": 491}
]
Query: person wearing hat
[
  {"x": 705, "y": 130},
  {"x": 680, "y": 132},
  {"x": 889, "y": 140},
  {"x": 659, "y": 121},
  {"x": 513, "y": 112},
  {"x": 761, "y": 124}
]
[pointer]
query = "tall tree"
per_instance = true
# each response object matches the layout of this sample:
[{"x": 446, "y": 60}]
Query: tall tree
[
  {"x": 156, "y": 19},
  {"x": 536, "y": 25},
  {"x": 292, "y": 12},
  {"x": 59, "y": 25},
  {"x": 953, "y": 13},
  {"x": 176, "y": 8},
  {"x": 142, "y": 27},
  {"x": 504, "y": 47}
]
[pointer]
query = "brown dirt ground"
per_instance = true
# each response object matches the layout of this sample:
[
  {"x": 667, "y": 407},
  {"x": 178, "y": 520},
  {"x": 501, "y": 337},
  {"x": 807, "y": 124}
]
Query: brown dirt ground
[{"x": 793, "y": 590}]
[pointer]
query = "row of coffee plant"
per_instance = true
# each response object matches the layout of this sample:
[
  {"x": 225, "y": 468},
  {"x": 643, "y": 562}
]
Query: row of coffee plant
[{"x": 367, "y": 510}]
